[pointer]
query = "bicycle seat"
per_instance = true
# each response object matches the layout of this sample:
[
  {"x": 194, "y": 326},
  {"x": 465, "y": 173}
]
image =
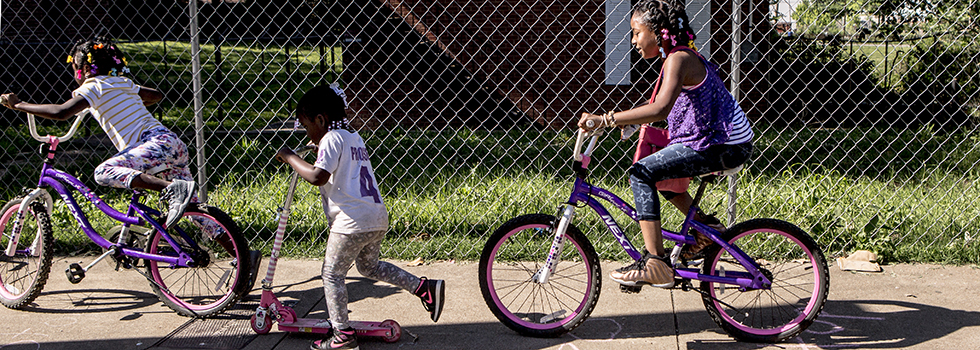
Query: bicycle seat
[{"x": 725, "y": 172}]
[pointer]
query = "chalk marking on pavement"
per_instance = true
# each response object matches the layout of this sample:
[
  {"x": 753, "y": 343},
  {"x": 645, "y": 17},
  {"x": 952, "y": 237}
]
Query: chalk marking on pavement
[
  {"x": 834, "y": 329},
  {"x": 72, "y": 319},
  {"x": 25, "y": 341},
  {"x": 802, "y": 344},
  {"x": 612, "y": 335}
]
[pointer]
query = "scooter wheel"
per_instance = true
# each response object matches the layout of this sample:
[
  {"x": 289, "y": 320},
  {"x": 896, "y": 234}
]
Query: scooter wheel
[
  {"x": 396, "y": 331},
  {"x": 265, "y": 328}
]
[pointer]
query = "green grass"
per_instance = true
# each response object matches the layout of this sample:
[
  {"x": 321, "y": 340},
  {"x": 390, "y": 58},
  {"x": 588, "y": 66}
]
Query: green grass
[
  {"x": 888, "y": 60},
  {"x": 907, "y": 195}
]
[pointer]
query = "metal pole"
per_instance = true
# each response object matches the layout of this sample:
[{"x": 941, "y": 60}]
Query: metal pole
[
  {"x": 202, "y": 174},
  {"x": 736, "y": 92}
]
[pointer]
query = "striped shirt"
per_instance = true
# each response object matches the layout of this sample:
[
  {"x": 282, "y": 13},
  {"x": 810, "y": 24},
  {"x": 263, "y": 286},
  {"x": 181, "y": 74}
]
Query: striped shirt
[
  {"x": 741, "y": 131},
  {"x": 707, "y": 114},
  {"x": 115, "y": 103}
]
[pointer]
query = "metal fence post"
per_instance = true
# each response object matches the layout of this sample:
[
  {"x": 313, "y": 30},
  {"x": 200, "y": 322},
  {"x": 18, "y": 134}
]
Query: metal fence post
[
  {"x": 202, "y": 174},
  {"x": 736, "y": 92}
]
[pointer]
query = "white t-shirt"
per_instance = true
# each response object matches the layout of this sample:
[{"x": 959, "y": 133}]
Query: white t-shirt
[
  {"x": 116, "y": 104},
  {"x": 351, "y": 198}
]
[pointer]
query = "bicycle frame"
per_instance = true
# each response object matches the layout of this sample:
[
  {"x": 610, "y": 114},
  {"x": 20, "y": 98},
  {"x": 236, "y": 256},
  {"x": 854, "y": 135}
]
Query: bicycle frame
[
  {"x": 136, "y": 214},
  {"x": 584, "y": 192}
]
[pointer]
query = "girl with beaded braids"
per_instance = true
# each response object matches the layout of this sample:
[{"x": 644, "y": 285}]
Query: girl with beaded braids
[
  {"x": 708, "y": 130},
  {"x": 358, "y": 217},
  {"x": 149, "y": 156}
]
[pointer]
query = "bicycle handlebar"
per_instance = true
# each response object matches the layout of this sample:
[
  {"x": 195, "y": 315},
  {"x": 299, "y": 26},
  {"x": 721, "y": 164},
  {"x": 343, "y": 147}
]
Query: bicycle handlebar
[
  {"x": 46, "y": 139},
  {"x": 304, "y": 150},
  {"x": 580, "y": 140}
]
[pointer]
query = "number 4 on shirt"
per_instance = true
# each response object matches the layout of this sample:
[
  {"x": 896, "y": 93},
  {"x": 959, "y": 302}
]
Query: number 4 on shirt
[{"x": 368, "y": 189}]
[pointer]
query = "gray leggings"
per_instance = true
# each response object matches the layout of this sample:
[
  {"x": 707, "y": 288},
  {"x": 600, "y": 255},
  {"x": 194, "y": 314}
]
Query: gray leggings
[{"x": 362, "y": 248}]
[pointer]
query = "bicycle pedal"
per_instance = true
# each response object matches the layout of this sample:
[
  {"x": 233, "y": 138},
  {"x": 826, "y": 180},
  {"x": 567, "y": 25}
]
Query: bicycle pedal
[
  {"x": 124, "y": 263},
  {"x": 684, "y": 285},
  {"x": 75, "y": 273},
  {"x": 630, "y": 289}
]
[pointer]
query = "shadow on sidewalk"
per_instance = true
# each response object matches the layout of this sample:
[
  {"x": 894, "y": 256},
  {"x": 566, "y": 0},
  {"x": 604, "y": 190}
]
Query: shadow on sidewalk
[
  {"x": 84, "y": 301},
  {"x": 849, "y": 324},
  {"x": 866, "y": 324},
  {"x": 873, "y": 324}
]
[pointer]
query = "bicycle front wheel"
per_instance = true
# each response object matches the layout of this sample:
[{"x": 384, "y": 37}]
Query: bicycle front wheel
[
  {"x": 790, "y": 259},
  {"x": 513, "y": 256},
  {"x": 218, "y": 278},
  {"x": 22, "y": 276}
]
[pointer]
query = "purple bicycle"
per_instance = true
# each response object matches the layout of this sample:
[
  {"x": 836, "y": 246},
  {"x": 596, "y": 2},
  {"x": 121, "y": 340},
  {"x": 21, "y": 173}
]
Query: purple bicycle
[
  {"x": 764, "y": 280},
  {"x": 197, "y": 268}
]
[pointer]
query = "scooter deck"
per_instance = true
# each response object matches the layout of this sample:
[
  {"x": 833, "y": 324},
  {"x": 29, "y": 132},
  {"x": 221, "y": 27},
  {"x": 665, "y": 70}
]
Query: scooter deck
[
  {"x": 388, "y": 330},
  {"x": 307, "y": 325}
]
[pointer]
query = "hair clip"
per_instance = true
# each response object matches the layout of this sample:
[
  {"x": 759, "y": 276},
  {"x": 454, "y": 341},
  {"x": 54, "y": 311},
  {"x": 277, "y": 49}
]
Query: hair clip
[
  {"x": 113, "y": 72},
  {"x": 95, "y": 69},
  {"x": 98, "y": 46},
  {"x": 124, "y": 60},
  {"x": 118, "y": 61},
  {"x": 665, "y": 34},
  {"x": 78, "y": 74},
  {"x": 70, "y": 59},
  {"x": 340, "y": 92},
  {"x": 89, "y": 57}
]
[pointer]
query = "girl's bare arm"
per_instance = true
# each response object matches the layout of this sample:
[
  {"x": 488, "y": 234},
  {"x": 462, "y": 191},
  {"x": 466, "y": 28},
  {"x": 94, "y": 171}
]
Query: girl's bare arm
[
  {"x": 310, "y": 173},
  {"x": 150, "y": 95},
  {"x": 48, "y": 111}
]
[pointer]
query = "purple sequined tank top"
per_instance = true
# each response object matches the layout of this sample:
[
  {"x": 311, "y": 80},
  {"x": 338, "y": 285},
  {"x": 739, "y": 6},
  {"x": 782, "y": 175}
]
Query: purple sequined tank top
[{"x": 702, "y": 117}]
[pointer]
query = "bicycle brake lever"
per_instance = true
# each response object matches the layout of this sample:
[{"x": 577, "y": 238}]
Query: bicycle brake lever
[{"x": 628, "y": 131}]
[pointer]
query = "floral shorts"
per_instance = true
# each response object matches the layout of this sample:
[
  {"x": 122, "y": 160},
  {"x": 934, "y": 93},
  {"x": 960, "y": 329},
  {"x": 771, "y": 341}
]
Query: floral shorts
[{"x": 159, "y": 153}]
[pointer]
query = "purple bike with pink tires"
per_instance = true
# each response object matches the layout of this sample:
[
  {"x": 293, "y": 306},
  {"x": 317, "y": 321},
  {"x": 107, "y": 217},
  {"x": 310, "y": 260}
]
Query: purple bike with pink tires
[
  {"x": 198, "y": 267},
  {"x": 763, "y": 280}
]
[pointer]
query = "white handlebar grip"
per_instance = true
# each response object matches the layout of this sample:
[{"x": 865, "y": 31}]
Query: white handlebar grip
[
  {"x": 3, "y": 100},
  {"x": 590, "y": 123}
]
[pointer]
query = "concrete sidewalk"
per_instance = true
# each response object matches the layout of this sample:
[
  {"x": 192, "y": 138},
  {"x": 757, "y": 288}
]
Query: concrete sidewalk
[{"x": 904, "y": 307}]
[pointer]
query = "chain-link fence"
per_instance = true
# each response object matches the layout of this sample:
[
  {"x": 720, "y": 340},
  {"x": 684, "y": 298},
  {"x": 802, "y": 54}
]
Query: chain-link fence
[{"x": 865, "y": 112}]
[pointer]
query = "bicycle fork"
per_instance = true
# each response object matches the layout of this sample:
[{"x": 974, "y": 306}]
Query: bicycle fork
[
  {"x": 554, "y": 255},
  {"x": 19, "y": 220}
]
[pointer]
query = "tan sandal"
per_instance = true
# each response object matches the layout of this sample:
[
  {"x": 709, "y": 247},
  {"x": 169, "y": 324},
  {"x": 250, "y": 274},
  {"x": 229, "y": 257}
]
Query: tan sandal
[{"x": 690, "y": 252}]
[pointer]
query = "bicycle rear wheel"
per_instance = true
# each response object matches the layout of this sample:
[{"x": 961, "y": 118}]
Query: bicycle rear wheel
[
  {"x": 218, "y": 279},
  {"x": 22, "y": 276},
  {"x": 790, "y": 259},
  {"x": 515, "y": 253}
]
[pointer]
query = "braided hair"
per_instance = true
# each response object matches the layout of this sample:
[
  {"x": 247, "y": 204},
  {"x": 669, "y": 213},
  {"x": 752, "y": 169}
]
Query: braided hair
[
  {"x": 669, "y": 15},
  {"x": 99, "y": 56},
  {"x": 328, "y": 100}
]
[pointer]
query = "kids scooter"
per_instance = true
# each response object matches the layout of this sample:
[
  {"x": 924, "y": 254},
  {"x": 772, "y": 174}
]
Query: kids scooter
[{"x": 271, "y": 309}]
